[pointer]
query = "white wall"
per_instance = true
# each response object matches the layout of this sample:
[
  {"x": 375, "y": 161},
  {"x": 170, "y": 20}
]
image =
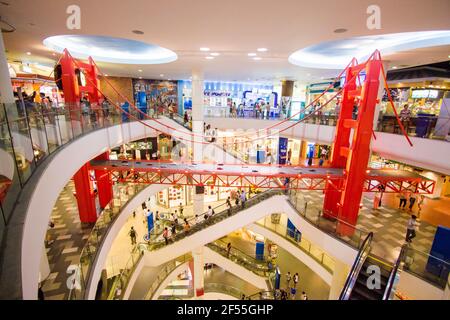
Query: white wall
[{"x": 417, "y": 289}]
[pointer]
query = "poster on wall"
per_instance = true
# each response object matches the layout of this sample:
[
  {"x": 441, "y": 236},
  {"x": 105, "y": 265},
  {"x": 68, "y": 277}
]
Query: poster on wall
[
  {"x": 159, "y": 94},
  {"x": 282, "y": 150}
]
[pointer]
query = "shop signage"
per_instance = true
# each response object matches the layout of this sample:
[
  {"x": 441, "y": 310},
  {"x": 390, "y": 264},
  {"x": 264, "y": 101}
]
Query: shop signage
[
  {"x": 282, "y": 150},
  {"x": 210, "y": 93}
]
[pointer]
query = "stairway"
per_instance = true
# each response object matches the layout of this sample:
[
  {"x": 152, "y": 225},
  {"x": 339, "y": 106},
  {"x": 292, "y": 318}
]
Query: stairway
[{"x": 361, "y": 291}]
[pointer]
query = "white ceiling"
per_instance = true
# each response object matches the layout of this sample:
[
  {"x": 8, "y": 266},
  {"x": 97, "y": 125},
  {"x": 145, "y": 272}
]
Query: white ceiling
[{"x": 232, "y": 27}]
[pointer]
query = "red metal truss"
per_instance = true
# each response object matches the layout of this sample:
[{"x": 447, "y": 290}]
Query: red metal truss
[{"x": 272, "y": 177}]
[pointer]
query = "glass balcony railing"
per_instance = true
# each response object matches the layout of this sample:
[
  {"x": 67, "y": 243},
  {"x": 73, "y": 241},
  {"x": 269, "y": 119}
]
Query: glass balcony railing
[
  {"x": 303, "y": 244},
  {"x": 89, "y": 252},
  {"x": 330, "y": 226},
  {"x": 31, "y": 132},
  {"x": 259, "y": 267},
  {"x": 427, "y": 267},
  {"x": 422, "y": 126},
  {"x": 201, "y": 222}
]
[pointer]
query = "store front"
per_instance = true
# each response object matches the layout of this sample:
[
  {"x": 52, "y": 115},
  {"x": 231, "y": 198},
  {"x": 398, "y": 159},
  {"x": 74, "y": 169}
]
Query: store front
[{"x": 155, "y": 96}]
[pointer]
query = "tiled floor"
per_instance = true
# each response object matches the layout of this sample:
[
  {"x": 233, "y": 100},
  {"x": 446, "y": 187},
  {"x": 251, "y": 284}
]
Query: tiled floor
[
  {"x": 69, "y": 237},
  {"x": 387, "y": 223}
]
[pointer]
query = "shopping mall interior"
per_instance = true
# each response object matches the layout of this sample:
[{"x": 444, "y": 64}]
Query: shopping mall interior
[{"x": 224, "y": 150}]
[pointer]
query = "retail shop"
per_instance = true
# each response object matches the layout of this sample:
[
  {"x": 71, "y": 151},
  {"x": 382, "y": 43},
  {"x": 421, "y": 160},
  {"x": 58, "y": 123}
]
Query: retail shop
[
  {"x": 152, "y": 96},
  {"x": 328, "y": 114}
]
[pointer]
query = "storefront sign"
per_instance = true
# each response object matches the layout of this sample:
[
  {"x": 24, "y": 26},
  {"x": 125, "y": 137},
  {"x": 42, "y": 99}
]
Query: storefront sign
[
  {"x": 210, "y": 93},
  {"x": 282, "y": 150}
]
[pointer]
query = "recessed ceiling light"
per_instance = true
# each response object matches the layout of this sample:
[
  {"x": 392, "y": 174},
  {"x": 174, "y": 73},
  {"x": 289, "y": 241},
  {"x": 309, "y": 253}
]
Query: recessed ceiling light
[
  {"x": 215, "y": 54},
  {"x": 209, "y": 58},
  {"x": 140, "y": 77},
  {"x": 138, "y": 32},
  {"x": 340, "y": 30},
  {"x": 394, "y": 67},
  {"x": 204, "y": 49},
  {"x": 29, "y": 53},
  {"x": 261, "y": 49},
  {"x": 161, "y": 75},
  {"x": 54, "y": 54},
  {"x": 140, "y": 70},
  {"x": 257, "y": 58},
  {"x": 251, "y": 54},
  {"x": 106, "y": 75}
]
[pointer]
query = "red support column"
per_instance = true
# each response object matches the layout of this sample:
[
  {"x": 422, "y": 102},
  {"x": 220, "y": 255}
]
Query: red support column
[
  {"x": 358, "y": 156},
  {"x": 104, "y": 183},
  {"x": 341, "y": 143},
  {"x": 85, "y": 195}
]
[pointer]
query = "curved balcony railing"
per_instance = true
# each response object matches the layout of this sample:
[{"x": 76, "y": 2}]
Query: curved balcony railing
[
  {"x": 258, "y": 267},
  {"x": 330, "y": 226},
  {"x": 303, "y": 244},
  {"x": 31, "y": 132},
  {"x": 197, "y": 224}
]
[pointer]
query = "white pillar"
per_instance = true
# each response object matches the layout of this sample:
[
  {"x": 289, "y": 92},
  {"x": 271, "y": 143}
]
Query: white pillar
[
  {"x": 198, "y": 200},
  {"x": 199, "y": 276},
  {"x": 340, "y": 274},
  {"x": 197, "y": 113},
  {"x": 6, "y": 90}
]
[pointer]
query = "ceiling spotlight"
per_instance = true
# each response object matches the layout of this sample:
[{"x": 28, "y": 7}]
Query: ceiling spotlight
[
  {"x": 204, "y": 49},
  {"x": 169, "y": 79},
  {"x": 106, "y": 75},
  {"x": 209, "y": 58},
  {"x": 140, "y": 70},
  {"x": 394, "y": 67},
  {"x": 257, "y": 58},
  {"x": 138, "y": 32},
  {"x": 54, "y": 54},
  {"x": 251, "y": 54},
  {"x": 140, "y": 77},
  {"x": 340, "y": 30},
  {"x": 215, "y": 54},
  {"x": 29, "y": 53},
  {"x": 261, "y": 49},
  {"x": 161, "y": 75}
]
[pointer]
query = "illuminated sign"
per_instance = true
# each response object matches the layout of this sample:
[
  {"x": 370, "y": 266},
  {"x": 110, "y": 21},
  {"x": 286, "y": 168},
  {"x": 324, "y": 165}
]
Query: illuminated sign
[{"x": 427, "y": 94}]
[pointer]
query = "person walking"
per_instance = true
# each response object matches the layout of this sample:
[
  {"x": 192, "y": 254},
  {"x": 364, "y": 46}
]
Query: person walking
[
  {"x": 288, "y": 279},
  {"x": 402, "y": 203},
  {"x": 420, "y": 205},
  {"x": 310, "y": 161},
  {"x": 412, "y": 200},
  {"x": 197, "y": 219},
  {"x": 229, "y": 206},
  {"x": 181, "y": 210},
  {"x": 166, "y": 235},
  {"x": 238, "y": 196},
  {"x": 186, "y": 226},
  {"x": 174, "y": 229},
  {"x": 411, "y": 229},
  {"x": 293, "y": 293},
  {"x": 295, "y": 279},
  {"x": 243, "y": 199},
  {"x": 132, "y": 235},
  {"x": 304, "y": 296},
  {"x": 228, "y": 249}
]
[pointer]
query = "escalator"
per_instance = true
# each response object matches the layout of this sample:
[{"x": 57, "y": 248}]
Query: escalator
[{"x": 370, "y": 277}]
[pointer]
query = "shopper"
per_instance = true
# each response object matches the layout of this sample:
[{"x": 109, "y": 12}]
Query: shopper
[
  {"x": 295, "y": 279},
  {"x": 289, "y": 155},
  {"x": 284, "y": 294},
  {"x": 411, "y": 229},
  {"x": 412, "y": 200},
  {"x": 288, "y": 279},
  {"x": 420, "y": 205},
  {"x": 243, "y": 199},
  {"x": 293, "y": 293},
  {"x": 181, "y": 210},
  {"x": 402, "y": 203},
  {"x": 321, "y": 161},
  {"x": 132, "y": 235},
  {"x": 166, "y": 235},
  {"x": 267, "y": 110},
  {"x": 238, "y": 196},
  {"x": 304, "y": 296},
  {"x": 197, "y": 219},
  {"x": 405, "y": 117},
  {"x": 229, "y": 206},
  {"x": 186, "y": 226},
  {"x": 310, "y": 161},
  {"x": 174, "y": 230},
  {"x": 228, "y": 249}
]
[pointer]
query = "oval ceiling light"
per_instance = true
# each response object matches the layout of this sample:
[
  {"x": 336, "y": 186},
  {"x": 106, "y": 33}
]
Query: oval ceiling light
[
  {"x": 215, "y": 54},
  {"x": 251, "y": 54},
  {"x": 110, "y": 49},
  {"x": 209, "y": 57},
  {"x": 261, "y": 49},
  {"x": 137, "y": 32},
  {"x": 204, "y": 49},
  {"x": 337, "y": 54}
]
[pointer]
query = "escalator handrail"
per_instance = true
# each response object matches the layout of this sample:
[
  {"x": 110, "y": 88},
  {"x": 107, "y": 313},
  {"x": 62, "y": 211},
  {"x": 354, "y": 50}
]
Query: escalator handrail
[
  {"x": 356, "y": 268},
  {"x": 392, "y": 276}
]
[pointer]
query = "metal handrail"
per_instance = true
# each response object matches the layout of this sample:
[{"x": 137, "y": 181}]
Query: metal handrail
[
  {"x": 393, "y": 274},
  {"x": 356, "y": 268}
]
